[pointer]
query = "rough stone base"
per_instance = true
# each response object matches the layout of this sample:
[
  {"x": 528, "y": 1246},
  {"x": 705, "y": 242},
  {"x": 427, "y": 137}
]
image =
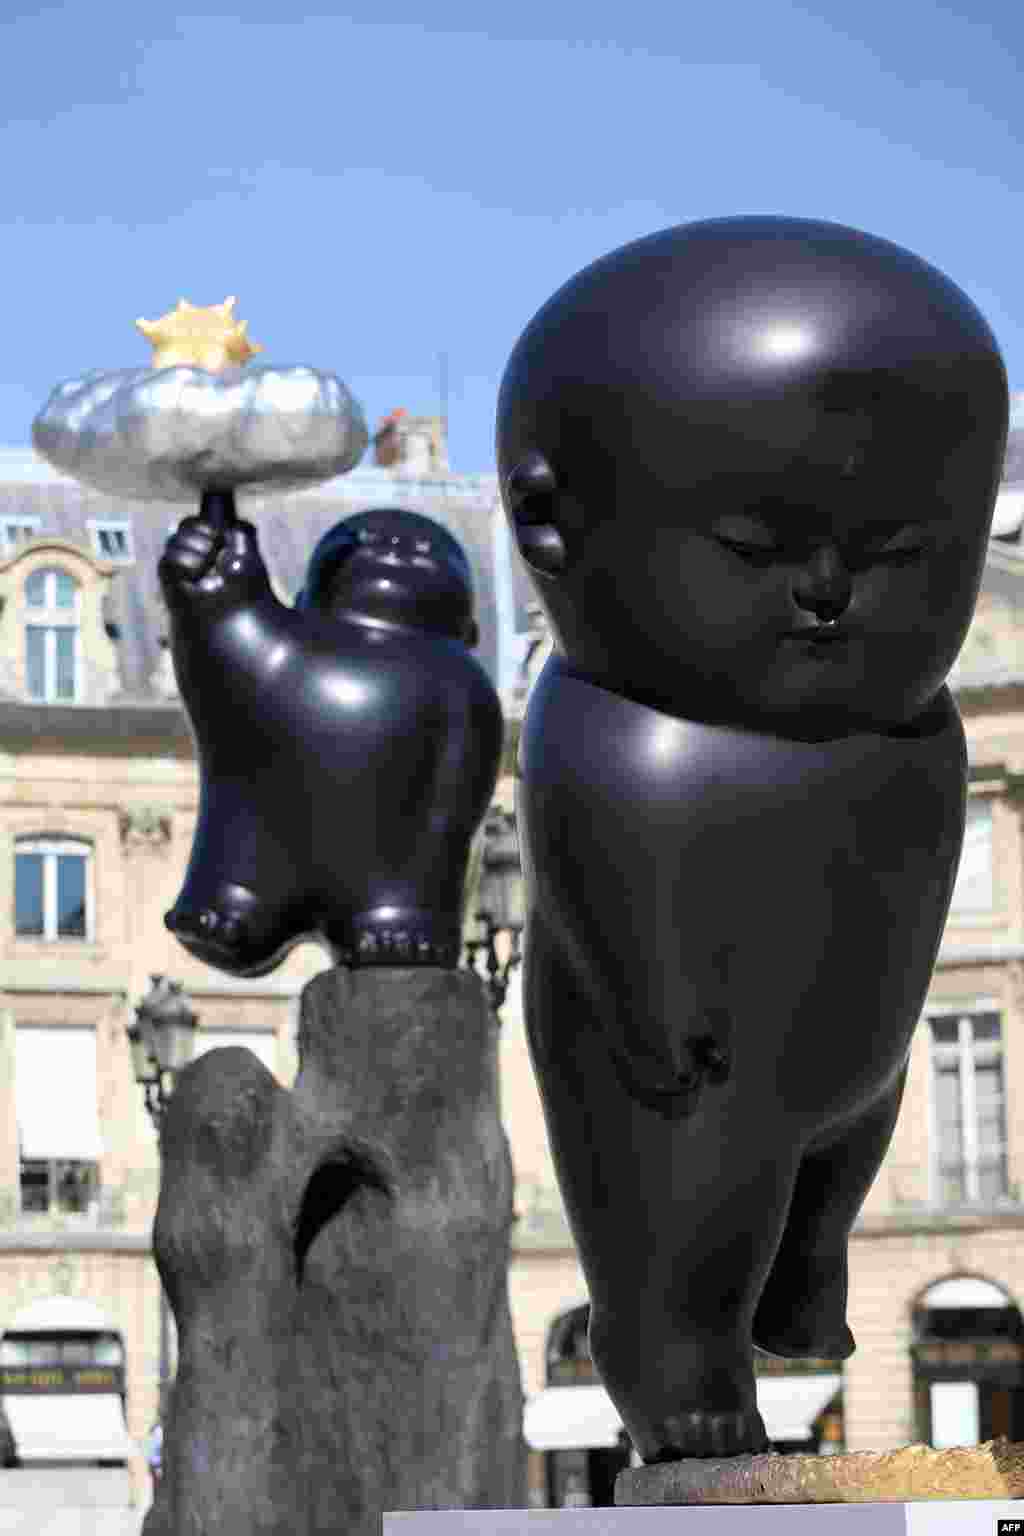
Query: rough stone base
[
  {"x": 994, "y": 1470},
  {"x": 337, "y": 1261}
]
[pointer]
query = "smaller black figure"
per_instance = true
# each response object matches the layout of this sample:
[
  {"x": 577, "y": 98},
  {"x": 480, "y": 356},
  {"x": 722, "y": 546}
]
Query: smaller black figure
[
  {"x": 752, "y": 464},
  {"x": 348, "y": 747}
]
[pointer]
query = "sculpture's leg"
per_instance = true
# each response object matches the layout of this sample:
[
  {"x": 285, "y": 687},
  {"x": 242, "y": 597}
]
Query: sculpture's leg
[
  {"x": 238, "y": 905},
  {"x": 671, "y": 1339},
  {"x": 802, "y": 1310},
  {"x": 677, "y": 1218}
]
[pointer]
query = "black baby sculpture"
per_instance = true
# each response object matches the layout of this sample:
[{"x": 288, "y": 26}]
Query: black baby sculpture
[
  {"x": 752, "y": 464},
  {"x": 348, "y": 746}
]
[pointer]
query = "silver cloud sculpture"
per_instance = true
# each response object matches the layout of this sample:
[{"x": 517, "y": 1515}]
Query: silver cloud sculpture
[{"x": 169, "y": 434}]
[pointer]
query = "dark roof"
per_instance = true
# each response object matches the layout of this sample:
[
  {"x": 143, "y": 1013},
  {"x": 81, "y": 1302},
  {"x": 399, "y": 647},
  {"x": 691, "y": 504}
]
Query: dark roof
[{"x": 289, "y": 527}]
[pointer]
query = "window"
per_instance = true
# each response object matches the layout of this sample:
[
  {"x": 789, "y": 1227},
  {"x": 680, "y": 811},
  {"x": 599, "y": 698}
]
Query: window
[
  {"x": 17, "y": 530},
  {"x": 111, "y": 540},
  {"x": 58, "y": 1124},
  {"x": 52, "y": 889},
  {"x": 974, "y": 891},
  {"x": 969, "y": 1101},
  {"x": 51, "y": 635},
  {"x": 62, "y": 1186}
]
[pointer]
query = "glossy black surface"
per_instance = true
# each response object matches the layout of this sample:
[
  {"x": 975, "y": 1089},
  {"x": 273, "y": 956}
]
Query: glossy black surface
[
  {"x": 752, "y": 464},
  {"x": 348, "y": 747}
]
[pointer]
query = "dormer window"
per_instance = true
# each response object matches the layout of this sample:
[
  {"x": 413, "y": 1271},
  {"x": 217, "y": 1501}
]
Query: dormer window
[
  {"x": 111, "y": 539},
  {"x": 16, "y": 530},
  {"x": 51, "y": 636}
]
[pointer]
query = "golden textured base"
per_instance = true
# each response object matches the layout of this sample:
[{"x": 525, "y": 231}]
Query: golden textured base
[{"x": 994, "y": 1470}]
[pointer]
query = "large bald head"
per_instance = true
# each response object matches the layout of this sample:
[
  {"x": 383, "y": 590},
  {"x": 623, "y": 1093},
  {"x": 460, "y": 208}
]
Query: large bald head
[
  {"x": 391, "y": 564},
  {"x": 791, "y": 388}
]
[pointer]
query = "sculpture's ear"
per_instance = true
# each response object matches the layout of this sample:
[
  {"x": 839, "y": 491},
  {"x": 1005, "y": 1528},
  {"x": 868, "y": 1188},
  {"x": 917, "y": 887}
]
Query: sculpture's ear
[{"x": 531, "y": 493}]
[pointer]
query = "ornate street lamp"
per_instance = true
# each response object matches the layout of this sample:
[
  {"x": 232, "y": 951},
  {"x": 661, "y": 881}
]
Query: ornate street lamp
[
  {"x": 499, "y": 905},
  {"x": 162, "y": 1042}
]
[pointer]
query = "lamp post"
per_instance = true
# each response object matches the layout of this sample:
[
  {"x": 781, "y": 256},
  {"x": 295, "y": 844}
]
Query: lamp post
[
  {"x": 162, "y": 1042},
  {"x": 499, "y": 905}
]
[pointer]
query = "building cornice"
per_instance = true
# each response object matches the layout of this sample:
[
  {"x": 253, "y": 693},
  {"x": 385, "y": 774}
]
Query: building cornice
[
  {"x": 938, "y": 1222},
  {"x": 22, "y": 465},
  {"x": 979, "y": 954},
  {"x": 998, "y": 680},
  {"x": 119, "y": 723},
  {"x": 74, "y": 1240}
]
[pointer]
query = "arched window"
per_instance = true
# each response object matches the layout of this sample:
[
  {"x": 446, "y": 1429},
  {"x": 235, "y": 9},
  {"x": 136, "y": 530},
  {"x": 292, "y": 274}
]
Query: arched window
[
  {"x": 968, "y": 1355},
  {"x": 51, "y": 635},
  {"x": 52, "y": 889}
]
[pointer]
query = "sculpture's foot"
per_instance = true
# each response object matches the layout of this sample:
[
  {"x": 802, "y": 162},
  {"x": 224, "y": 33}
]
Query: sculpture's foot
[
  {"x": 232, "y": 931},
  {"x": 701, "y": 1433},
  {"x": 394, "y": 936},
  {"x": 681, "y": 1393},
  {"x": 802, "y": 1311}
]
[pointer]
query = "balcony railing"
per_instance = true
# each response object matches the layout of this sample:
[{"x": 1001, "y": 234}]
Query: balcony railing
[
  {"x": 127, "y": 1206},
  {"x": 952, "y": 1187}
]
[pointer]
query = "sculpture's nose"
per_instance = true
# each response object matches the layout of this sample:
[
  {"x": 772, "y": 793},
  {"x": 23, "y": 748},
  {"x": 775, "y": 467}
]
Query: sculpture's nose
[{"x": 822, "y": 586}]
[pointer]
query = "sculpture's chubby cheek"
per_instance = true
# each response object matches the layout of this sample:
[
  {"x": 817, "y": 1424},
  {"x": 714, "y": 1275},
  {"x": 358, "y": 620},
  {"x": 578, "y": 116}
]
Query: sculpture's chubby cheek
[{"x": 802, "y": 638}]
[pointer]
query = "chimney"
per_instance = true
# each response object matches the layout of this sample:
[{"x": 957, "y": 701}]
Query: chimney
[{"x": 411, "y": 445}]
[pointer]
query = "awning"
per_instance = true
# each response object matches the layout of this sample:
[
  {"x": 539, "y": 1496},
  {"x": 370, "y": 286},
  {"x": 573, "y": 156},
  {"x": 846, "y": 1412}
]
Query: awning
[
  {"x": 580, "y": 1418},
  {"x": 965, "y": 1291},
  {"x": 1009, "y": 513},
  {"x": 55, "y": 1093},
  {"x": 571, "y": 1418},
  {"x": 51, "y": 1427},
  {"x": 790, "y": 1404},
  {"x": 60, "y": 1314}
]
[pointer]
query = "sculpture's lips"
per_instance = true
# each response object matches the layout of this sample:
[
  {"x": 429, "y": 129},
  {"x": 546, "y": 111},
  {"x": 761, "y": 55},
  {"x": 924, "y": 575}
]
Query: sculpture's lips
[{"x": 820, "y": 636}]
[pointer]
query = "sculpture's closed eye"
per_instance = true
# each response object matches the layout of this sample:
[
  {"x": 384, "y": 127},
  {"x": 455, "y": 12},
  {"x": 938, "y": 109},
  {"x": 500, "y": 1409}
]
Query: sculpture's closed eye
[
  {"x": 797, "y": 554},
  {"x": 754, "y": 554}
]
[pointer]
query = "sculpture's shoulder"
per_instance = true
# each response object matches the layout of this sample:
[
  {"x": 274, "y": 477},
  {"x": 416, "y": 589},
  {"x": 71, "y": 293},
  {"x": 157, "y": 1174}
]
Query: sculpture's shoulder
[
  {"x": 566, "y": 716},
  {"x": 585, "y": 742},
  {"x": 410, "y": 666},
  {"x": 450, "y": 667}
]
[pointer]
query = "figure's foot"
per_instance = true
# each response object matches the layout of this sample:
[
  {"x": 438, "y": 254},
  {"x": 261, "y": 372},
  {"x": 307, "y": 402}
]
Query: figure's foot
[
  {"x": 682, "y": 1392},
  {"x": 232, "y": 931},
  {"x": 702, "y": 1433},
  {"x": 802, "y": 1311}
]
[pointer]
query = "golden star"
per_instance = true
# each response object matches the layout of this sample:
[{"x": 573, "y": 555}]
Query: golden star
[{"x": 198, "y": 337}]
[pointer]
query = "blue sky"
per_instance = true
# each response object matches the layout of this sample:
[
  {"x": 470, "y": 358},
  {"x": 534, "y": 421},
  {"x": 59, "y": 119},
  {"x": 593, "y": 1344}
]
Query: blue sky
[{"x": 399, "y": 181}]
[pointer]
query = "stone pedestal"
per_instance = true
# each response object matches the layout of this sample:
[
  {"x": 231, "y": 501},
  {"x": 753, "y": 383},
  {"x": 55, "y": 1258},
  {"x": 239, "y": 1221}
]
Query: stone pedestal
[
  {"x": 336, "y": 1258},
  {"x": 994, "y": 1470}
]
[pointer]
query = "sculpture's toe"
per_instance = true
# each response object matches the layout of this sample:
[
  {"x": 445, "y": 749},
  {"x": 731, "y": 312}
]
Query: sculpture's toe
[
  {"x": 703, "y": 1433},
  {"x": 233, "y": 932}
]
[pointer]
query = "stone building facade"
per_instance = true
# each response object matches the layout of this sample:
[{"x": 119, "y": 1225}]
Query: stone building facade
[{"x": 98, "y": 800}]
